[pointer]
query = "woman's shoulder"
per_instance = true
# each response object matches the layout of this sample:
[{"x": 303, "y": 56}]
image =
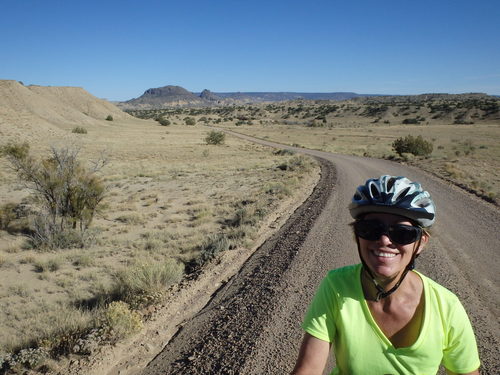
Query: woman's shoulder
[
  {"x": 344, "y": 272},
  {"x": 344, "y": 280}
]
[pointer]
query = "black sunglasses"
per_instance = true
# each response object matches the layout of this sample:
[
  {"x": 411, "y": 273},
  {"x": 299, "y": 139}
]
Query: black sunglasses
[{"x": 401, "y": 234}]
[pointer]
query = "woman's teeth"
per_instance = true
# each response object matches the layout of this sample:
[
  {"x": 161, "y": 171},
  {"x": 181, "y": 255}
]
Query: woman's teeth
[{"x": 384, "y": 254}]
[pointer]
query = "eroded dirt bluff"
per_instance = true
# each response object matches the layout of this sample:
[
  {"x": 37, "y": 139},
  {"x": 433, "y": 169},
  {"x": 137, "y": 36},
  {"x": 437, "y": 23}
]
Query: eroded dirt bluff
[{"x": 252, "y": 323}]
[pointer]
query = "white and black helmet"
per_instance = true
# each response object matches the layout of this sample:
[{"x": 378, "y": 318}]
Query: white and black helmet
[{"x": 394, "y": 195}]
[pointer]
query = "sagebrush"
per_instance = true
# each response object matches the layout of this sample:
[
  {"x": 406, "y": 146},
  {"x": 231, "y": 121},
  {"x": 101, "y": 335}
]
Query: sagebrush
[{"x": 67, "y": 193}]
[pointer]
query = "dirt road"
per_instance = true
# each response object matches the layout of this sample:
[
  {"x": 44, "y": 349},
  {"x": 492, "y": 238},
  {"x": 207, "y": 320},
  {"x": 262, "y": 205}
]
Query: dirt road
[{"x": 252, "y": 324}]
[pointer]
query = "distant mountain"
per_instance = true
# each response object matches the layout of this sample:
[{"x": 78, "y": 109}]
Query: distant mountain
[
  {"x": 210, "y": 96},
  {"x": 282, "y": 96},
  {"x": 161, "y": 97},
  {"x": 169, "y": 96},
  {"x": 176, "y": 96}
]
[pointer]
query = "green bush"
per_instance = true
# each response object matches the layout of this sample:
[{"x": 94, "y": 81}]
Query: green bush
[
  {"x": 79, "y": 130},
  {"x": 163, "y": 121},
  {"x": 109, "y": 118},
  {"x": 189, "y": 121},
  {"x": 410, "y": 121},
  {"x": 215, "y": 138},
  {"x": 412, "y": 145},
  {"x": 67, "y": 193},
  {"x": 283, "y": 151}
]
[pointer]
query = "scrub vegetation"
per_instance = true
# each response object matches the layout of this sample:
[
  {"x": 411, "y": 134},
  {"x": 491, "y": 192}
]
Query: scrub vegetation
[
  {"x": 452, "y": 136},
  {"x": 89, "y": 242}
]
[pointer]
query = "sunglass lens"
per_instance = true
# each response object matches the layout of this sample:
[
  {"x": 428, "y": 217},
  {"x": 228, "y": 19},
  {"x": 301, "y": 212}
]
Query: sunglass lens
[
  {"x": 401, "y": 234},
  {"x": 370, "y": 230},
  {"x": 404, "y": 234}
]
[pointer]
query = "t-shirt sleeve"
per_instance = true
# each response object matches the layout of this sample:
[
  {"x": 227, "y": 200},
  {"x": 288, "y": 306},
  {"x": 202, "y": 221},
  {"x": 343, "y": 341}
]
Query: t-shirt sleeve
[
  {"x": 460, "y": 354},
  {"x": 319, "y": 320}
]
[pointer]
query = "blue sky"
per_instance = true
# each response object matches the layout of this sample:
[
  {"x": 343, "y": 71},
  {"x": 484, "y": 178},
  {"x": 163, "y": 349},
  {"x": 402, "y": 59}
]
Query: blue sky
[{"x": 118, "y": 49}]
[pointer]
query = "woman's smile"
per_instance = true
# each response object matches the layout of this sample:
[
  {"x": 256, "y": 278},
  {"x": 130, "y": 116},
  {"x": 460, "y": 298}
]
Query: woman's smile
[{"x": 384, "y": 254}]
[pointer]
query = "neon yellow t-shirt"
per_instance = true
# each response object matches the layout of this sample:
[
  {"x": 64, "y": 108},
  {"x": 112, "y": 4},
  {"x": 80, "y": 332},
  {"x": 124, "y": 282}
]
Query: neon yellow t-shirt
[{"x": 339, "y": 314}]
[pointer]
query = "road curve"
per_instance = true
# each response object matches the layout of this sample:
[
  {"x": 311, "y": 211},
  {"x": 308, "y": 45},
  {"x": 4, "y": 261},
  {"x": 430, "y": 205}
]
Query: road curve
[{"x": 252, "y": 324}]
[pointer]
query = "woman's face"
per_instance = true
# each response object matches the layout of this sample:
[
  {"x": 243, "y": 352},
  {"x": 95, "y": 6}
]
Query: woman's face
[{"x": 386, "y": 258}]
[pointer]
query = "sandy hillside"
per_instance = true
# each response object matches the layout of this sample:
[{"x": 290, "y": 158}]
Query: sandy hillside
[
  {"x": 30, "y": 112},
  {"x": 79, "y": 100}
]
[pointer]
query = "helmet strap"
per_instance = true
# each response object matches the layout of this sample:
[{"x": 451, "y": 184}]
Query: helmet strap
[{"x": 382, "y": 293}]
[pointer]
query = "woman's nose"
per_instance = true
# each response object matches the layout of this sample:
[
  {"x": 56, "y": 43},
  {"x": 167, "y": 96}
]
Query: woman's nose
[{"x": 384, "y": 239}]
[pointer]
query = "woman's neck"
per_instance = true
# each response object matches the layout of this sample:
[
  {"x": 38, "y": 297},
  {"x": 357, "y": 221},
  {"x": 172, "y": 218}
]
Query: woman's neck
[{"x": 371, "y": 292}]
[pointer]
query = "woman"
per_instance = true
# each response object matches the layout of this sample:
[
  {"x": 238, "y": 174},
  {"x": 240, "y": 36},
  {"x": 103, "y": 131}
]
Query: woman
[{"x": 381, "y": 316}]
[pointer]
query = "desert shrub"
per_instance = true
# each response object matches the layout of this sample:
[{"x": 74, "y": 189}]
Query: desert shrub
[
  {"x": 293, "y": 164},
  {"x": 215, "y": 137},
  {"x": 68, "y": 194},
  {"x": 47, "y": 235},
  {"x": 277, "y": 188},
  {"x": 120, "y": 321},
  {"x": 212, "y": 246},
  {"x": 18, "y": 151},
  {"x": 163, "y": 121},
  {"x": 284, "y": 151},
  {"x": 244, "y": 216},
  {"x": 412, "y": 145},
  {"x": 109, "y": 118},
  {"x": 25, "y": 358},
  {"x": 7, "y": 214},
  {"x": 79, "y": 130},
  {"x": 145, "y": 283},
  {"x": 189, "y": 121}
]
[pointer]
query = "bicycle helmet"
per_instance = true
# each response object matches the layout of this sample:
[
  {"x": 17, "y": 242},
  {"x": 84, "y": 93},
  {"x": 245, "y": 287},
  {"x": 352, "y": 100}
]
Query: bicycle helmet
[{"x": 394, "y": 195}]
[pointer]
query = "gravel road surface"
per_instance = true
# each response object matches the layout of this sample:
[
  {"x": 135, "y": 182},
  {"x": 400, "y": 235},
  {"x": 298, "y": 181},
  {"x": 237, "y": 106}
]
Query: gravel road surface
[{"x": 252, "y": 324}]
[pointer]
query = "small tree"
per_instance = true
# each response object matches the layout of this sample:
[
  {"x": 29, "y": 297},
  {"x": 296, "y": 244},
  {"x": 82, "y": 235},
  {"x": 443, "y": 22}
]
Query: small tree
[
  {"x": 215, "y": 138},
  {"x": 109, "y": 118},
  {"x": 412, "y": 145},
  {"x": 67, "y": 192}
]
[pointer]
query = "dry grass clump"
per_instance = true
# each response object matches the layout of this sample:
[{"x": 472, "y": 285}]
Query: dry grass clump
[
  {"x": 50, "y": 265},
  {"x": 145, "y": 282},
  {"x": 133, "y": 219}
]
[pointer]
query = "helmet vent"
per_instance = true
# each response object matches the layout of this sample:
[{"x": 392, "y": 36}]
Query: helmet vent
[
  {"x": 390, "y": 184},
  {"x": 374, "y": 191},
  {"x": 403, "y": 193}
]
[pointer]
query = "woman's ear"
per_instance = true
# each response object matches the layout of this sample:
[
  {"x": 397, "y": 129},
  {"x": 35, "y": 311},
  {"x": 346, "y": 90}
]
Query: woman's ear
[{"x": 423, "y": 241}]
